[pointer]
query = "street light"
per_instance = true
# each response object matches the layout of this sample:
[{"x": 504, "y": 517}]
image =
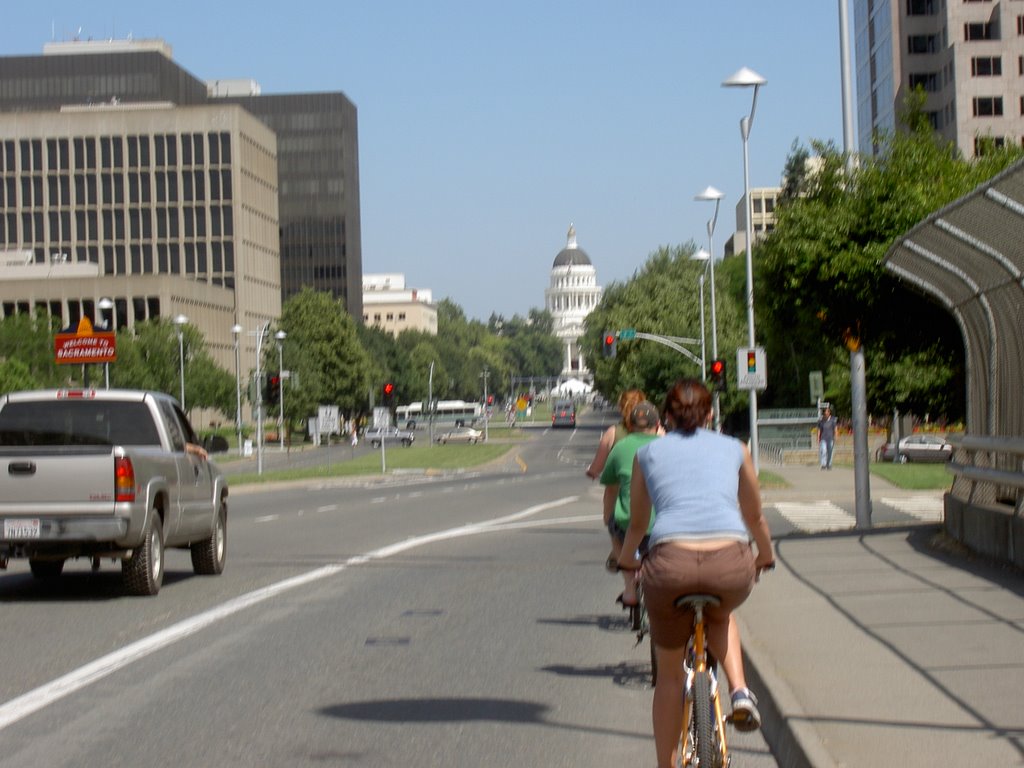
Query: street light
[
  {"x": 235, "y": 330},
  {"x": 259, "y": 395},
  {"x": 181, "y": 320},
  {"x": 747, "y": 78},
  {"x": 710, "y": 193},
  {"x": 702, "y": 255},
  {"x": 106, "y": 304},
  {"x": 280, "y": 336}
]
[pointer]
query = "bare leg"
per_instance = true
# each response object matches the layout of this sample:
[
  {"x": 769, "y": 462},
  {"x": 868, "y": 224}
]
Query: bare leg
[
  {"x": 724, "y": 642},
  {"x": 667, "y": 707}
]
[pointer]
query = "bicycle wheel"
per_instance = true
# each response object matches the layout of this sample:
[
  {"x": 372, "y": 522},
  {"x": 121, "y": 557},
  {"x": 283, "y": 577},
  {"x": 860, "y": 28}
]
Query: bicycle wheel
[{"x": 704, "y": 722}]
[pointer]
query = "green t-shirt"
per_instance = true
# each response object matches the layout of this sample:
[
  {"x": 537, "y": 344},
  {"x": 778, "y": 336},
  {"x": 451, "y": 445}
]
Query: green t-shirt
[{"x": 618, "y": 470}]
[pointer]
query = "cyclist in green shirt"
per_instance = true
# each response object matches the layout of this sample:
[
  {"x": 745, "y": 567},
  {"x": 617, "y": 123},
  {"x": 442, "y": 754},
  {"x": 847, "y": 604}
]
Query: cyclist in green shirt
[{"x": 616, "y": 476}]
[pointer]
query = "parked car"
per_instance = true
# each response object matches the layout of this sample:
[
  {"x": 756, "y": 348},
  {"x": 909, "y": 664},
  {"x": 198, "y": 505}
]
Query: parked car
[
  {"x": 917, "y": 448},
  {"x": 377, "y": 435},
  {"x": 461, "y": 435}
]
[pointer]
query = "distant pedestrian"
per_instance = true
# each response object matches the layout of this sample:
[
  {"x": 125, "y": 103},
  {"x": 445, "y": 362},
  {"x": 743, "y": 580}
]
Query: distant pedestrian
[{"x": 826, "y": 438}]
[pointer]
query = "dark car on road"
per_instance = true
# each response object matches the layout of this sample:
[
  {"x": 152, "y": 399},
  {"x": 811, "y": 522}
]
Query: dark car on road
[
  {"x": 563, "y": 414},
  {"x": 916, "y": 448}
]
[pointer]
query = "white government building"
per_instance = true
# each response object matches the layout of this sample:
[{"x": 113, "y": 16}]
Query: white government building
[{"x": 570, "y": 297}]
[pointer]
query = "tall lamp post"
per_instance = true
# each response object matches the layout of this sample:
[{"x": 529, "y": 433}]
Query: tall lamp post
[
  {"x": 259, "y": 395},
  {"x": 236, "y": 329},
  {"x": 106, "y": 304},
  {"x": 702, "y": 255},
  {"x": 280, "y": 336},
  {"x": 710, "y": 193},
  {"x": 747, "y": 78},
  {"x": 180, "y": 321}
]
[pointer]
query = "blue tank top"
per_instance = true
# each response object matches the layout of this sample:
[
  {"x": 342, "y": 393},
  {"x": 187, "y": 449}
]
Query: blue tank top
[{"x": 693, "y": 481}]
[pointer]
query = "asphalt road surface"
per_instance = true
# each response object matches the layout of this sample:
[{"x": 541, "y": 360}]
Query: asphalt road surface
[{"x": 454, "y": 621}]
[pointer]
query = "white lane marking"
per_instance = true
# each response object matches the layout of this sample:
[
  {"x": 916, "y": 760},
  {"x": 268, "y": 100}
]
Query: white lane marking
[
  {"x": 28, "y": 703},
  {"x": 378, "y": 500},
  {"x": 327, "y": 508},
  {"x": 815, "y": 516},
  {"x": 265, "y": 518},
  {"x": 926, "y": 508}
]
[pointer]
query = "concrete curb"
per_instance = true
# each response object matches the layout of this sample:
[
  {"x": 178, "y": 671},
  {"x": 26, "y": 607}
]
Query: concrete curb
[{"x": 794, "y": 742}]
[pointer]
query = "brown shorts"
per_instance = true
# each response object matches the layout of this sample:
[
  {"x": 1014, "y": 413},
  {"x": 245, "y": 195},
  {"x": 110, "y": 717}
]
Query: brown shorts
[{"x": 671, "y": 571}]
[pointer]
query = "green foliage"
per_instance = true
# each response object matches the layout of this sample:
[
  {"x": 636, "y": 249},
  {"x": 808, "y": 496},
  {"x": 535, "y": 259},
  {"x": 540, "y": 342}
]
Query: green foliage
[
  {"x": 28, "y": 340},
  {"x": 663, "y": 299},
  {"x": 820, "y": 277},
  {"x": 324, "y": 353},
  {"x": 15, "y": 375}
]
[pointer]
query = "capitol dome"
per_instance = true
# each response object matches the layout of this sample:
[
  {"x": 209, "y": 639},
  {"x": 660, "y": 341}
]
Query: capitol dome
[
  {"x": 571, "y": 295},
  {"x": 572, "y": 254}
]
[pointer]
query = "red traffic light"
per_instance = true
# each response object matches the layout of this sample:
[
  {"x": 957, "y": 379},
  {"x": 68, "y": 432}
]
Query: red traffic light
[
  {"x": 717, "y": 367},
  {"x": 609, "y": 339},
  {"x": 389, "y": 388}
]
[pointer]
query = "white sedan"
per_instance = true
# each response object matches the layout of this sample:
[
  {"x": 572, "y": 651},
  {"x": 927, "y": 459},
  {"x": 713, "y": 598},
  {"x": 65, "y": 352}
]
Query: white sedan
[{"x": 461, "y": 435}]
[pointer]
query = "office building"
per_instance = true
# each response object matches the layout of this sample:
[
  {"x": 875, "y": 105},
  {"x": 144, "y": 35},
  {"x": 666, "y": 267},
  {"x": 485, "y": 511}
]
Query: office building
[
  {"x": 967, "y": 56},
  {"x": 390, "y": 306},
  {"x": 172, "y": 195},
  {"x": 762, "y": 219}
]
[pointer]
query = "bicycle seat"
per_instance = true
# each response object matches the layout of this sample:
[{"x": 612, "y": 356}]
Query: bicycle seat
[{"x": 697, "y": 601}]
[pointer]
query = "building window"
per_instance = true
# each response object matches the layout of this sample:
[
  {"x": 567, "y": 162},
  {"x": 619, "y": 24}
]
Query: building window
[
  {"x": 986, "y": 66},
  {"x": 988, "y": 106},
  {"x": 922, "y": 44},
  {"x": 985, "y": 144},
  {"x": 920, "y": 7},
  {"x": 1020, "y": 25},
  {"x": 927, "y": 81},
  {"x": 980, "y": 31}
]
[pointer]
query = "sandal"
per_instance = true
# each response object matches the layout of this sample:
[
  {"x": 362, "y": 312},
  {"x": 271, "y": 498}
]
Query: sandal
[{"x": 612, "y": 564}]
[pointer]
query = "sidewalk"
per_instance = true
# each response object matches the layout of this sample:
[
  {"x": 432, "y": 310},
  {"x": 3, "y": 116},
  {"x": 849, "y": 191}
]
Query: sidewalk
[{"x": 882, "y": 648}]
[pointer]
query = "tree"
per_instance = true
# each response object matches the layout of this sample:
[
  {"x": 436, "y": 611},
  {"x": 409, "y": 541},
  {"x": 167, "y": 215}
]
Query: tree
[
  {"x": 820, "y": 277},
  {"x": 663, "y": 299},
  {"x": 324, "y": 352},
  {"x": 28, "y": 339}
]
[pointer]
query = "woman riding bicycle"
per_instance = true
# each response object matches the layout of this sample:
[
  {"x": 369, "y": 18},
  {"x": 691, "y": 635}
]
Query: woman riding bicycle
[{"x": 705, "y": 489}]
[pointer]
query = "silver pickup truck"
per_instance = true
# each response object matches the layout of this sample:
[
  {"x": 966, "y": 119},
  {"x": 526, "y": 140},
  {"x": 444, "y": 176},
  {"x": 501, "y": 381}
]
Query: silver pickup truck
[{"x": 107, "y": 474}]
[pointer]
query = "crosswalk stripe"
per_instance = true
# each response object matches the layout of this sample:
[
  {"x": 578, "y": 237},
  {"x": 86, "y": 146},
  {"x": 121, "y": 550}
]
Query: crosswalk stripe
[
  {"x": 815, "y": 516},
  {"x": 926, "y": 508}
]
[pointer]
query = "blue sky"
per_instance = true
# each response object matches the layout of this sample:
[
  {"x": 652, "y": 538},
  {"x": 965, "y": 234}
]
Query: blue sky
[{"x": 485, "y": 128}]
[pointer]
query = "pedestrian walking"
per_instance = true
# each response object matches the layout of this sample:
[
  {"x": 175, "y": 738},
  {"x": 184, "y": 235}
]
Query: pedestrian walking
[{"x": 826, "y": 438}]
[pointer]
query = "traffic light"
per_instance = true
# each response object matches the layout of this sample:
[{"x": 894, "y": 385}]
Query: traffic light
[
  {"x": 272, "y": 388},
  {"x": 718, "y": 375},
  {"x": 751, "y": 361},
  {"x": 387, "y": 394},
  {"x": 609, "y": 344}
]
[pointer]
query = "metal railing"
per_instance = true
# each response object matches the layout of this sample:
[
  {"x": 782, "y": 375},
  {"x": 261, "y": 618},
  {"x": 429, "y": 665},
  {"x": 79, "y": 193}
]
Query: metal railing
[{"x": 988, "y": 470}]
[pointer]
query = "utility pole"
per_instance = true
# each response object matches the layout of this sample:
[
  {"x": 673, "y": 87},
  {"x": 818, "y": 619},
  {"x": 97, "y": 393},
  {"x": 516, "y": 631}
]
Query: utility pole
[{"x": 486, "y": 373}]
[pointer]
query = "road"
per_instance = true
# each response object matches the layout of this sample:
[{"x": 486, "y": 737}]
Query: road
[{"x": 460, "y": 621}]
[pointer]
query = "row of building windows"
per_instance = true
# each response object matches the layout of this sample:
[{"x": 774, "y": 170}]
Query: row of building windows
[
  {"x": 81, "y": 153},
  {"x": 390, "y": 317},
  {"x": 188, "y": 186},
  {"x": 117, "y": 224}
]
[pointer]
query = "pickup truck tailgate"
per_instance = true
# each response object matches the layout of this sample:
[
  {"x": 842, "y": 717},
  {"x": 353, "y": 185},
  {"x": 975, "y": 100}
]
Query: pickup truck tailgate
[{"x": 79, "y": 483}]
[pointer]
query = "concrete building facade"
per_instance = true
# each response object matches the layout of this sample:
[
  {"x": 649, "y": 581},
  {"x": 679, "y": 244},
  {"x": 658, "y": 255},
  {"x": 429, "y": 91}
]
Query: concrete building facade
[
  {"x": 164, "y": 210},
  {"x": 571, "y": 295},
  {"x": 206, "y": 199},
  {"x": 967, "y": 56},
  {"x": 392, "y": 307}
]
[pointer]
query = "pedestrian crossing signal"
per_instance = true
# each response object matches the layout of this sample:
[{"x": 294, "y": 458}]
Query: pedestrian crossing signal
[{"x": 751, "y": 361}]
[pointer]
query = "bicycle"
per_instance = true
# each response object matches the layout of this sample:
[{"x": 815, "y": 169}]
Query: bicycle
[{"x": 703, "y": 735}]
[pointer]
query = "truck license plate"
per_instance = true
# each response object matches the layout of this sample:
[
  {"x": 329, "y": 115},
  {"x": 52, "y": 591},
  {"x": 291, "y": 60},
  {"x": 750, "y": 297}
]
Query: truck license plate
[{"x": 21, "y": 529}]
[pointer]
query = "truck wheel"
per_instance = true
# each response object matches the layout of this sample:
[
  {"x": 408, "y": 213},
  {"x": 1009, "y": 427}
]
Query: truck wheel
[
  {"x": 208, "y": 556},
  {"x": 143, "y": 572},
  {"x": 46, "y": 570}
]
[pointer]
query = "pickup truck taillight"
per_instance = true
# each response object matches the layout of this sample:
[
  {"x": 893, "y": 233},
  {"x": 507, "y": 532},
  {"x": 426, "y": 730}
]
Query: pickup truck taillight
[{"x": 124, "y": 479}]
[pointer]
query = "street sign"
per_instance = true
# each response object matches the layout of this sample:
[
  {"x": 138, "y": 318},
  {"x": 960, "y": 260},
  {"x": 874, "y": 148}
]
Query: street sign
[
  {"x": 627, "y": 333},
  {"x": 328, "y": 419},
  {"x": 817, "y": 383},
  {"x": 751, "y": 370}
]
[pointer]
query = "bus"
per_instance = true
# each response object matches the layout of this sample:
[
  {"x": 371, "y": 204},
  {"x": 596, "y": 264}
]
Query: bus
[{"x": 447, "y": 413}]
